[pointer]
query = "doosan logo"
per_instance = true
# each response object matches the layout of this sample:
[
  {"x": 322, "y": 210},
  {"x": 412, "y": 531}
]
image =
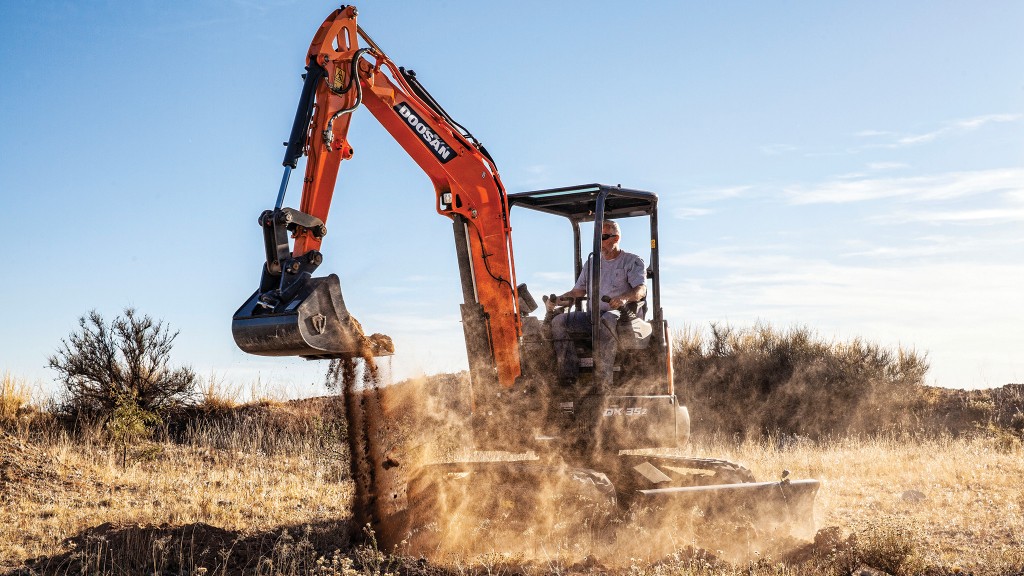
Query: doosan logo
[{"x": 439, "y": 147}]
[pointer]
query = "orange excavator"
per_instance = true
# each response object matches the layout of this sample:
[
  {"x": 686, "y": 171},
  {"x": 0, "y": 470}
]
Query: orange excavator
[{"x": 600, "y": 441}]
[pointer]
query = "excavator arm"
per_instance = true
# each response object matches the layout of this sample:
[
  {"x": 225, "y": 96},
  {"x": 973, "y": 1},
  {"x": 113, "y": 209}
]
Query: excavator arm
[{"x": 293, "y": 313}]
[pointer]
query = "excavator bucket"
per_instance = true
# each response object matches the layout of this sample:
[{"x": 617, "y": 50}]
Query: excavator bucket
[{"x": 313, "y": 324}]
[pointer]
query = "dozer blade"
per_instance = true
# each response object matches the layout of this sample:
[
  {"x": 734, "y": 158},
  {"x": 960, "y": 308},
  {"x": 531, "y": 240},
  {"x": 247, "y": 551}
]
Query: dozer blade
[
  {"x": 313, "y": 324},
  {"x": 786, "y": 506}
]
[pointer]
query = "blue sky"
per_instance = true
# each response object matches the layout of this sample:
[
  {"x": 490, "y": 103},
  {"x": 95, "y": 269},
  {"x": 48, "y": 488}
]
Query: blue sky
[{"x": 857, "y": 168}]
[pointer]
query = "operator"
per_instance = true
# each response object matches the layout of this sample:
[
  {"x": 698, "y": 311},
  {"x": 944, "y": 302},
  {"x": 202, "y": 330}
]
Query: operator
[{"x": 622, "y": 280}]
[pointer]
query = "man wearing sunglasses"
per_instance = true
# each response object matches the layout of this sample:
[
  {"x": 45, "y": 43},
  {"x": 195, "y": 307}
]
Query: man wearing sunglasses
[{"x": 622, "y": 280}]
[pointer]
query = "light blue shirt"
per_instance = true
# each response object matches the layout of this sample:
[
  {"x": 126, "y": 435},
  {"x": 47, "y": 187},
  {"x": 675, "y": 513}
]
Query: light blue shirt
[{"x": 620, "y": 274}]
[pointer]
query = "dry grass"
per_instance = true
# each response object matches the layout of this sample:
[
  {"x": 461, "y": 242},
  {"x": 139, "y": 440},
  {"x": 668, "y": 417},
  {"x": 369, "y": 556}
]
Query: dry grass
[
  {"x": 55, "y": 490},
  {"x": 952, "y": 502},
  {"x": 15, "y": 396},
  {"x": 965, "y": 512},
  {"x": 21, "y": 407},
  {"x": 268, "y": 482},
  {"x": 216, "y": 394}
]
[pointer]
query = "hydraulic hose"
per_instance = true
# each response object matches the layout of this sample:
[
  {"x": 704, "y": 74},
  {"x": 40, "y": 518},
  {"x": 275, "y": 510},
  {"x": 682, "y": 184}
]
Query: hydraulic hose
[{"x": 353, "y": 78}]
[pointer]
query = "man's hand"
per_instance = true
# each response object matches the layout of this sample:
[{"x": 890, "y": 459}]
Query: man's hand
[
  {"x": 550, "y": 302},
  {"x": 635, "y": 295},
  {"x": 565, "y": 300}
]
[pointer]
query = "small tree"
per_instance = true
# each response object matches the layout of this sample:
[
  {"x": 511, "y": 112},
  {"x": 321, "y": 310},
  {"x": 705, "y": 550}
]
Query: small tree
[
  {"x": 101, "y": 365},
  {"x": 130, "y": 424}
]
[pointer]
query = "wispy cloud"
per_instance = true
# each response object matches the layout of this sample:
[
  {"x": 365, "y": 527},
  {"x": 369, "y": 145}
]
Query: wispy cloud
[
  {"x": 1001, "y": 215},
  {"x": 936, "y": 187},
  {"x": 889, "y": 139},
  {"x": 949, "y": 128},
  {"x": 717, "y": 194},
  {"x": 557, "y": 278},
  {"x": 979, "y": 121},
  {"x": 872, "y": 133},
  {"x": 534, "y": 176},
  {"x": 934, "y": 246},
  {"x": 850, "y": 176},
  {"x": 919, "y": 138},
  {"x": 735, "y": 257},
  {"x": 690, "y": 213},
  {"x": 412, "y": 323}
]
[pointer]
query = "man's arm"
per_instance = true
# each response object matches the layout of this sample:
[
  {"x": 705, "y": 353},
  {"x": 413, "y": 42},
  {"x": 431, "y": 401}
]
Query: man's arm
[
  {"x": 635, "y": 295},
  {"x": 568, "y": 296},
  {"x": 573, "y": 293}
]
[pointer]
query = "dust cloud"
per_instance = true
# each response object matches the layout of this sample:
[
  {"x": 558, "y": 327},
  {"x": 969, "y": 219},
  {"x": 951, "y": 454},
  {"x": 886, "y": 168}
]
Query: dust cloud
[
  {"x": 430, "y": 493},
  {"x": 443, "y": 471}
]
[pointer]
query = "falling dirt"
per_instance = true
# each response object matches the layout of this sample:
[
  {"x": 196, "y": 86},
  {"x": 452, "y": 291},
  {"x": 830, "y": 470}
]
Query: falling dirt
[{"x": 360, "y": 382}]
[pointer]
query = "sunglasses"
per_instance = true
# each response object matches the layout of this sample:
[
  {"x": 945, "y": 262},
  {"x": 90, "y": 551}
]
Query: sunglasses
[{"x": 607, "y": 236}]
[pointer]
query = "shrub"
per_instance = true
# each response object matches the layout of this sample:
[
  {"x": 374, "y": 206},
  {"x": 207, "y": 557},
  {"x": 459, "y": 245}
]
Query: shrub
[
  {"x": 759, "y": 381},
  {"x": 101, "y": 365},
  {"x": 130, "y": 423}
]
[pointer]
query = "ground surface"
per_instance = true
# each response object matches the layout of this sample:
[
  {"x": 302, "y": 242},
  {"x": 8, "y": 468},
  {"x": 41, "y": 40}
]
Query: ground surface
[{"x": 265, "y": 490}]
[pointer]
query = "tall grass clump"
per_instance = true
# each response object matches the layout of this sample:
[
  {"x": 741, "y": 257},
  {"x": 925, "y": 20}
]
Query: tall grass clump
[
  {"x": 217, "y": 396},
  {"x": 761, "y": 381},
  {"x": 15, "y": 395},
  {"x": 22, "y": 410},
  {"x": 312, "y": 426}
]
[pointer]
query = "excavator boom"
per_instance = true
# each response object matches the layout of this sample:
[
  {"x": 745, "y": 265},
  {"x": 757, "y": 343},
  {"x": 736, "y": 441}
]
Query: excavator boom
[{"x": 294, "y": 314}]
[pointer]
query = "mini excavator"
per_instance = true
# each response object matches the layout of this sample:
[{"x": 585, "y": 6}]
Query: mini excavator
[{"x": 599, "y": 438}]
